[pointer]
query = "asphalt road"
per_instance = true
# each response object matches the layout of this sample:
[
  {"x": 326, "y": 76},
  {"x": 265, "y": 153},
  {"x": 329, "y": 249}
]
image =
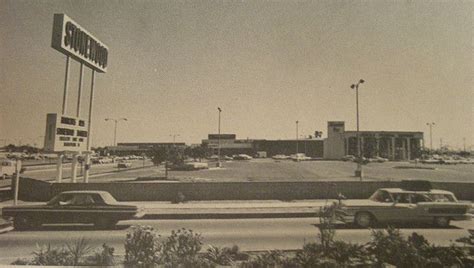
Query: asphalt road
[{"x": 248, "y": 234}]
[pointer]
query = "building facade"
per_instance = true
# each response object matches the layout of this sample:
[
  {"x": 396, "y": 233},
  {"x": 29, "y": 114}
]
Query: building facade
[
  {"x": 230, "y": 145},
  {"x": 393, "y": 145}
]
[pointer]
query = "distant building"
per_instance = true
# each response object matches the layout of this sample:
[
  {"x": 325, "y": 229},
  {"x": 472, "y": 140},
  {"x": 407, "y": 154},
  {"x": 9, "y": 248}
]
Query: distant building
[
  {"x": 230, "y": 145},
  {"x": 138, "y": 148},
  {"x": 394, "y": 145}
]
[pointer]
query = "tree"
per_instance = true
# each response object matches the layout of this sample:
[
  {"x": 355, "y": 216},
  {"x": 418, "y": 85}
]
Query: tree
[
  {"x": 197, "y": 152},
  {"x": 159, "y": 155}
]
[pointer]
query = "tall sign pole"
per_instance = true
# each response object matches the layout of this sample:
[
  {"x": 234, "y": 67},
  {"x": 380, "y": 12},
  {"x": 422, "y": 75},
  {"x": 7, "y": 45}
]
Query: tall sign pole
[{"x": 88, "y": 154}]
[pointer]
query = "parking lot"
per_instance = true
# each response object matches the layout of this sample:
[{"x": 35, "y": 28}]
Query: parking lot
[{"x": 269, "y": 169}]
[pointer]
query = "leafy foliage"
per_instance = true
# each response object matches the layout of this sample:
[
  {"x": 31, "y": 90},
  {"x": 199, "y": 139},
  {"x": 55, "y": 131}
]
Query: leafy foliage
[
  {"x": 78, "y": 249},
  {"x": 105, "y": 257},
  {"x": 181, "y": 247},
  {"x": 141, "y": 246}
]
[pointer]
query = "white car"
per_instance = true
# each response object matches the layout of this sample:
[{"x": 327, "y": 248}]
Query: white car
[
  {"x": 242, "y": 157},
  {"x": 280, "y": 157}
]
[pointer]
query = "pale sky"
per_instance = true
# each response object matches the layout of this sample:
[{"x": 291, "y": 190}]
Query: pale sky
[{"x": 265, "y": 63}]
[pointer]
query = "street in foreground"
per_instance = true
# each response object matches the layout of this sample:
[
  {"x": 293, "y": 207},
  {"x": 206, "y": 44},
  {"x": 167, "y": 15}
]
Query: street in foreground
[{"x": 248, "y": 234}]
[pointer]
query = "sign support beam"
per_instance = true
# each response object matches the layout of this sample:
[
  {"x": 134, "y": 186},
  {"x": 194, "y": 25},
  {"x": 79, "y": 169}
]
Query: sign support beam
[{"x": 89, "y": 126}]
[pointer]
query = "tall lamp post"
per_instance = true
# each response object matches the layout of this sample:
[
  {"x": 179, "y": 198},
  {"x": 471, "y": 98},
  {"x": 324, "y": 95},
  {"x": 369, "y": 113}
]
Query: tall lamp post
[
  {"x": 297, "y": 151},
  {"x": 358, "y": 172},
  {"x": 431, "y": 135},
  {"x": 115, "y": 127},
  {"x": 174, "y": 137},
  {"x": 219, "y": 138}
]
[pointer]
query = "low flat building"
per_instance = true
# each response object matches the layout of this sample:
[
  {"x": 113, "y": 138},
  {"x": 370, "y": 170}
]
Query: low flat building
[
  {"x": 230, "y": 145},
  {"x": 393, "y": 145},
  {"x": 138, "y": 148}
]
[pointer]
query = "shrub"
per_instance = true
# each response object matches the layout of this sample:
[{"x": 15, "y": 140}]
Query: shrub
[
  {"x": 141, "y": 246},
  {"x": 389, "y": 246},
  {"x": 181, "y": 247},
  {"x": 272, "y": 258},
  {"x": 218, "y": 255},
  {"x": 105, "y": 257},
  {"x": 78, "y": 250},
  {"x": 47, "y": 255}
]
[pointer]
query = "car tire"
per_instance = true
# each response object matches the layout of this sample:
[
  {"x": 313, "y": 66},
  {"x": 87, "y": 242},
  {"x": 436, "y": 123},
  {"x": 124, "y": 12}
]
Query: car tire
[
  {"x": 364, "y": 219},
  {"x": 104, "y": 223},
  {"x": 442, "y": 222}
]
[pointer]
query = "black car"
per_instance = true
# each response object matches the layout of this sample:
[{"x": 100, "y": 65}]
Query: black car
[{"x": 97, "y": 207}]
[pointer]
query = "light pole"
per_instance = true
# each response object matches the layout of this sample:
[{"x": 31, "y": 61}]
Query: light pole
[
  {"x": 297, "y": 137},
  {"x": 431, "y": 135},
  {"x": 115, "y": 127},
  {"x": 174, "y": 137},
  {"x": 358, "y": 172},
  {"x": 219, "y": 139}
]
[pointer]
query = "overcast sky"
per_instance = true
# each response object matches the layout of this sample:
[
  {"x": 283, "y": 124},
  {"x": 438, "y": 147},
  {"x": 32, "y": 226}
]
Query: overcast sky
[{"x": 265, "y": 63}]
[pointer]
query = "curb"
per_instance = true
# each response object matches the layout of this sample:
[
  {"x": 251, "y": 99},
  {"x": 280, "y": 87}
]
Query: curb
[
  {"x": 192, "y": 216},
  {"x": 5, "y": 227}
]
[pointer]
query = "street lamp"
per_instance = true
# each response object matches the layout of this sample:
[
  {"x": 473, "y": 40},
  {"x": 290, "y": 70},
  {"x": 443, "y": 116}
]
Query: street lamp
[
  {"x": 219, "y": 139},
  {"x": 174, "y": 137},
  {"x": 115, "y": 128},
  {"x": 358, "y": 172},
  {"x": 431, "y": 135},
  {"x": 297, "y": 136}
]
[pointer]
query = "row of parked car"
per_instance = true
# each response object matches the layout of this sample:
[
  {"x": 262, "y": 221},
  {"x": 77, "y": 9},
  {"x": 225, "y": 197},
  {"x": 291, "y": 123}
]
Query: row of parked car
[
  {"x": 365, "y": 160},
  {"x": 447, "y": 160},
  {"x": 295, "y": 157}
]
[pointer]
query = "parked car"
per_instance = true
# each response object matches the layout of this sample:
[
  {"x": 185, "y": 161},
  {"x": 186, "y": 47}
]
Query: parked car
[
  {"x": 349, "y": 158},
  {"x": 242, "y": 157},
  {"x": 124, "y": 164},
  {"x": 280, "y": 157},
  {"x": 299, "y": 157},
  {"x": 7, "y": 168},
  {"x": 97, "y": 207},
  {"x": 396, "y": 205}
]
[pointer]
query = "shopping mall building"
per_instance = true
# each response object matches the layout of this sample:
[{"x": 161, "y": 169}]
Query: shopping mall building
[{"x": 393, "y": 145}]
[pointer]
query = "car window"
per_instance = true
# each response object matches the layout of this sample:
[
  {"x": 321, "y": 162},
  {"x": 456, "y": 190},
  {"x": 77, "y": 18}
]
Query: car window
[
  {"x": 65, "y": 199},
  {"x": 403, "y": 198},
  {"x": 417, "y": 198},
  {"x": 381, "y": 196},
  {"x": 77, "y": 200},
  {"x": 442, "y": 198}
]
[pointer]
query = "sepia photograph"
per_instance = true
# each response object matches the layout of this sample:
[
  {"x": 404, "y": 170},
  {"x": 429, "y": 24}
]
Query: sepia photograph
[{"x": 236, "y": 133}]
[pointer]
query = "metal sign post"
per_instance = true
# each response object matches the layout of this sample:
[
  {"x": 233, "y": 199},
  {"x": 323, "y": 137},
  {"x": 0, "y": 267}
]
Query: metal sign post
[
  {"x": 17, "y": 181},
  {"x": 88, "y": 153},
  {"x": 59, "y": 168}
]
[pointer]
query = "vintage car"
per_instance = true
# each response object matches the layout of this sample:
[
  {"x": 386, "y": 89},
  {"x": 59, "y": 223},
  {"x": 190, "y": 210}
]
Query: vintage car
[
  {"x": 97, "y": 207},
  {"x": 124, "y": 164},
  {"x": 396, "y": 205}
]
